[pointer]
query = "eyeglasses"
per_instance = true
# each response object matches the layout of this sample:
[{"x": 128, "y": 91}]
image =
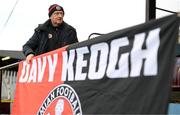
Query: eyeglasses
[{"x": 58, "y": 13}]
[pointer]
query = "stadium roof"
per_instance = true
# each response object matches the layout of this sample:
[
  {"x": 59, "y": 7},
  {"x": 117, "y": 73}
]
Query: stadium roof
[{"x": 12, "y": 54}]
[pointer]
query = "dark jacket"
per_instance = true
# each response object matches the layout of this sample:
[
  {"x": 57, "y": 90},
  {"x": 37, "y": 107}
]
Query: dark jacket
[{"x": 38, "y": 43}]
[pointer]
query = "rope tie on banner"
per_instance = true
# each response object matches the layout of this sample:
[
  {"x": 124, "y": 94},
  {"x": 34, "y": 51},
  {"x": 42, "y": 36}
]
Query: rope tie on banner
[{"x": 166, "y": 10}]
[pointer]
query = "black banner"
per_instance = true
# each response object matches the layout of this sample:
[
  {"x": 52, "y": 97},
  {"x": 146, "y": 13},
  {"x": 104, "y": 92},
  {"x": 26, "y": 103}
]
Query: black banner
[{"x": 124, "y": 72}]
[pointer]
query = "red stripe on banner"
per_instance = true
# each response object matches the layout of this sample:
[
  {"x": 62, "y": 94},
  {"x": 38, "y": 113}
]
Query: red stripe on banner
[{"x": 36, "y": 80}]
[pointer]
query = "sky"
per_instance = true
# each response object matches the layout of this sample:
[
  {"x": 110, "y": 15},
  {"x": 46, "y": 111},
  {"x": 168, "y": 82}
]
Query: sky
[
  {"x": 87, "y": 16},
  {"x": 172, "y": 5}
]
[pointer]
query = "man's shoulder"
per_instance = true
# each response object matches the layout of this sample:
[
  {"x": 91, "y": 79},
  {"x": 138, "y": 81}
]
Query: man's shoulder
[
  {"x": 42, "y": 27},
  {"x": 39, "y": 28},
  {"x": 69, "y": 27}
]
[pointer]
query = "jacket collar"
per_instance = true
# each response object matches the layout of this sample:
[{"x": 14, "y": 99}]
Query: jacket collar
[{"x": 44, "y": 26}]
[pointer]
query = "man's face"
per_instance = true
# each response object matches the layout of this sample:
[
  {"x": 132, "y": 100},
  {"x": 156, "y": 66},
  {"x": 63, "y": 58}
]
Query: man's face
[{"x": 57, "y": 18}]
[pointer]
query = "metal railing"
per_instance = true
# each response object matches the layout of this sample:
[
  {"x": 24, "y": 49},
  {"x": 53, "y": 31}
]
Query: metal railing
[{"x": 10, "y": 66}]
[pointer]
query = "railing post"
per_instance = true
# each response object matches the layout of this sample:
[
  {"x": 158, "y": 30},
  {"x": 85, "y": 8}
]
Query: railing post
[{"x": 150, "y": 9}]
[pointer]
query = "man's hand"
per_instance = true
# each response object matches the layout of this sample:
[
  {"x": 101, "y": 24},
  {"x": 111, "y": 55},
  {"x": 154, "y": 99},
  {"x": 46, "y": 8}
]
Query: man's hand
[{"x": 29, "y": 58}]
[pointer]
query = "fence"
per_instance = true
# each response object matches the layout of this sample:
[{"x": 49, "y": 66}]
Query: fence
[
  {"x": 176, "y": 77},
  {"x": 8, "y": 82}
]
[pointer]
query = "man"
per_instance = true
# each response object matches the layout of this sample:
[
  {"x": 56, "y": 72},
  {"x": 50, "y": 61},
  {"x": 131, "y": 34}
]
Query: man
[{"x": 53, "y": 34}]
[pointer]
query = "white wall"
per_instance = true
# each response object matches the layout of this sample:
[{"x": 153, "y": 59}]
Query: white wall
[
  {"x": 87, "y": 16},
  {"x": 172, "y": 5}
]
